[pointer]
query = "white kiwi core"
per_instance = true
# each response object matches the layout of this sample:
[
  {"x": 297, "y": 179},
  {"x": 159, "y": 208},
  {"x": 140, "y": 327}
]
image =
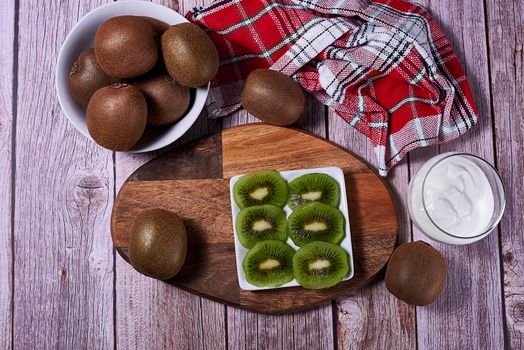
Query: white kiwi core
[
  {"x": 260, "y": 193},
  {"x": 269, "y": 264},
  {"x": 312, "y": 196},
  {"x": 261, "y": 225},
  {"x": 319, "y": 264},
  {"x": 315, "y": 226}
]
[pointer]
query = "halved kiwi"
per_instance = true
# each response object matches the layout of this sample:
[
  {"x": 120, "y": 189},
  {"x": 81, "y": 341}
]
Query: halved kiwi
[
  {"x": 269, "y": 264},
  {"x": 260, "y": 187},
  {"x": 314, "y": 187},
  {"x": 316, "y": 222},
  {"x": 254, "y": 224},
  {"x": 319, "y": 265}
]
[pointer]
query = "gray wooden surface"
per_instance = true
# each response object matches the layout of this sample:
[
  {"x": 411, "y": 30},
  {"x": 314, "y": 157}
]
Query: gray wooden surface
[{"x": 63, "y": 286}]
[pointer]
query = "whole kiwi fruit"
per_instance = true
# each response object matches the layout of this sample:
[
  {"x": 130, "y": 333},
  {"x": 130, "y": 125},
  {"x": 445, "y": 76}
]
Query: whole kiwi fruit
[
  {"x": 116, "y": 116},
  {"x": 416, "y": 273},
  {"x": 86, "y": 77},
  {"x": 158, "y": 244},
  {"x": 272, "y": 97},
  {"x": 167, "y": 101},
  {"x": 159, "y": 26},
  {"x": 126, "y": 46},
  {"x": 189, "y": 55}
]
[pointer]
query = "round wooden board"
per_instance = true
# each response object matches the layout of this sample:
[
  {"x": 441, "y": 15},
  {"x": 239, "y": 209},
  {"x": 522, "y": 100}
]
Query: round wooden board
[{"x": 193, "y": 181}]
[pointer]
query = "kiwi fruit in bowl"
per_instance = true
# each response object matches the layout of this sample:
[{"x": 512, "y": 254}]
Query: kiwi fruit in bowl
[
  {"x": 314, "y": 187},
  {"x": 319, "y": 265},
  {"x": 126, "y": 46},
  {"x": 167, "y": 101},
  {"x": 86, "y": 76},
  {"x": 260, "y": 187},
  {"x": 255, "y": 224},
  {"x": 190, "y": 56},
  {"x": 316, "y": 222},
  {"x": 116, "y": 116},
  {"x": 269, "y": 264}
]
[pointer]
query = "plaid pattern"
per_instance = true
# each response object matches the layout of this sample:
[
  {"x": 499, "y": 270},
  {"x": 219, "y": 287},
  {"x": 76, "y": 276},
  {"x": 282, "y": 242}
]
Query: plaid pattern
[{"x": 384, "y": 66}]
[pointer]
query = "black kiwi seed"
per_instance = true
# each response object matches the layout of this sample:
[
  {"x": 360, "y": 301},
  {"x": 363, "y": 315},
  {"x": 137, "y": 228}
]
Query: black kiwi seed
[
  {"x": 116, "y": 116},
  {"x": 167, "y": 101},
  {"x": 416, "y": 273},
  {"x": 314, "y": 187},
  {"x": 269, "y": 264},
  {"x": 86, "y": 77},
  {"x": 319, "y": 265},
  {"x": 258, "y": 223},
  {"x": 316, "y": 222},
  {"x": 126, "y": 46},
  {"x": 260, "y": 187}
]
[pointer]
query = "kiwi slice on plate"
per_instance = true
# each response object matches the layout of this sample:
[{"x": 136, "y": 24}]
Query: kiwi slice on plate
[
  {"x": 319, "y": 265},
  {"x": 254, "y": 224},
  {"x": 269, "y": 264},
  {"x": 260, "y": 187},
  {"x": 314, "y": 187},
  {"x": 316, "y": 222}
]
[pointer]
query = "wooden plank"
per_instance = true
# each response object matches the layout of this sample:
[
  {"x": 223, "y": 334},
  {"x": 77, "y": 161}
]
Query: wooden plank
[
  {"x": 63, "y": 265},
  {"x": 7, "y": 34},
  {"x": 149, "y": 309},
  {"x": 505, "y": 23},
  {"x": 283, "y": 331},
  {"x": 372, "y": 318},
  {"x": 471, "y": 300}
]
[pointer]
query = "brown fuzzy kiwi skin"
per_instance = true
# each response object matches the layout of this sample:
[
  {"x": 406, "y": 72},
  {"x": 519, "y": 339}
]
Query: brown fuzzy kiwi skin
[
  {"x": 416, "y": 273},
  {"x": 159, "y": 26},
  {"x": 158, "y": 244},
  {"x": 272, "y": 97},
  {"x": 190, "y": 56},
  {"x": 167, "y": 101},
  {"x": 116, "y": 116},
  {"x": 126, "y": 46},
  {"x": 86, "y": 77}
]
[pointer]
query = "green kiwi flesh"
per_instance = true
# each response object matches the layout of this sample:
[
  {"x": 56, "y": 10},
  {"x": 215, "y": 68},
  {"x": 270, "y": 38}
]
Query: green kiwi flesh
[
  {"x": 260, "y": 187},
  {"x": 319, "y": 265},
  {"x": 314, "y": 187},
  {"x": 316, "y": 222},
  {"x": 269, "y": 264},
  {"x": 258, "y": 223}
]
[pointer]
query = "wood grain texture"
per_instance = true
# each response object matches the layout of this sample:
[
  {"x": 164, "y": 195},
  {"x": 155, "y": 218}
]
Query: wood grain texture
[
  {"x": 318, "y": 323},
  {"x": 7, "y": 55},
  {"x": 63, "y": 267},
  {"x": 148, "y": 310},
  {"x": 472, "y": 294},
  {"x": 204, "y": 205},
  {"x": 505, "y": 23},
  {"x": 372, "y": 318}
]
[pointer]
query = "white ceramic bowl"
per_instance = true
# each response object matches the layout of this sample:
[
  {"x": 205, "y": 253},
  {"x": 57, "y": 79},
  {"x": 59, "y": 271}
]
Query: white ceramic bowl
[{"x": 82, "y": 36}]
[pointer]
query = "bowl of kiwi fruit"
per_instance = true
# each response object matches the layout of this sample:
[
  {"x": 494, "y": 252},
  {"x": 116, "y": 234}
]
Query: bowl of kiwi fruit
[
  {"x": 291, "y": 228},
  {"x": 133, "y": 76}
]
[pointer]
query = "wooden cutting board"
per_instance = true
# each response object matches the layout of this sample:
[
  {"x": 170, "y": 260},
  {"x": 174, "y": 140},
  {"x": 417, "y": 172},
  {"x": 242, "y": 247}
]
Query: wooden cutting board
[{"x": 193, "y": 181}]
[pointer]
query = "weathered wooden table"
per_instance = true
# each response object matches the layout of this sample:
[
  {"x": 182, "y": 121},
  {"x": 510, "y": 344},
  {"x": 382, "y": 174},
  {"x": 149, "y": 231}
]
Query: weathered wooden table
[{"x": 63, "y": 286}]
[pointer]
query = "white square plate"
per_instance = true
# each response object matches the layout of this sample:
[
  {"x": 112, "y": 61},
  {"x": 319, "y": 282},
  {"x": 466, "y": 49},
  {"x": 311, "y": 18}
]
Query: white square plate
[{"x": 241, "y": 251}]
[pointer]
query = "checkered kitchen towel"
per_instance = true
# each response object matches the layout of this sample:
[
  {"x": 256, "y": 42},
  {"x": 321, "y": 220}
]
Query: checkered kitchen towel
[{"x": 384, "y": 66}]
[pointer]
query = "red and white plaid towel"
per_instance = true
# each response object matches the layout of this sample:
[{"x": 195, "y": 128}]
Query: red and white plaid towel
[{"x": 384, "y": 66}]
